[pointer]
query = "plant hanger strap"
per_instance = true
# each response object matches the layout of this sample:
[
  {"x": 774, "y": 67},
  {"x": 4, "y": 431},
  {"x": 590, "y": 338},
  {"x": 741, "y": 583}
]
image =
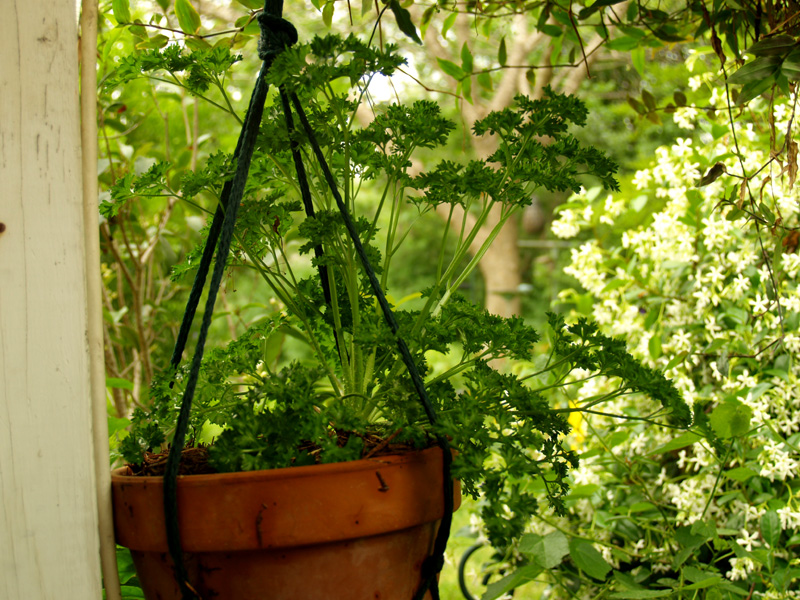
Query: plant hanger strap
[{"x": 277, "y": 33}]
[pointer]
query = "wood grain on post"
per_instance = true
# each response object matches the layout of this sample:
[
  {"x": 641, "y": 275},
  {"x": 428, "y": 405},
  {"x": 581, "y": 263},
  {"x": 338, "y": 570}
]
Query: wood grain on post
[{"x": 48, "y": 516}]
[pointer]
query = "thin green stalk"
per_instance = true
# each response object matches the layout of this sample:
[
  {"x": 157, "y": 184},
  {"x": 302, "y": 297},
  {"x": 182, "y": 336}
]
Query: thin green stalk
[
  {"x": 716, "y": 481},
  {"x": 177, "y": 82},
  {"x": 460, "y": 253},
  {"x": 442, "y": 247}
]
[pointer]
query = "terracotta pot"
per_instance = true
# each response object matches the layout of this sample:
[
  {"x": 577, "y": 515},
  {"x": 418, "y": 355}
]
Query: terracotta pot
[{"x": 351, "y": 531}]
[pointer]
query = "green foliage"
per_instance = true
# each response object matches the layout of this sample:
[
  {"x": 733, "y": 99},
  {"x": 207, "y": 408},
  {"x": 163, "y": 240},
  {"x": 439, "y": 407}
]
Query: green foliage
[
  {"x": 349, "y": 382},
  {"x": 130, "y": 587},
  {"x": 554, "y": 166},
  {"x": 195, "y": 70},
  {"x": 704, "y": 269}
]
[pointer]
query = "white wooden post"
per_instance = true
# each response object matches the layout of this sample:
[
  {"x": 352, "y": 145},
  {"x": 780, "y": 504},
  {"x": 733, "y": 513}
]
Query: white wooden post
[{"x": 48, "y": 515}]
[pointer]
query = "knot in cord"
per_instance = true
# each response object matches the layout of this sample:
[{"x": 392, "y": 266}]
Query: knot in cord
[{"x": 276, "y": 34}]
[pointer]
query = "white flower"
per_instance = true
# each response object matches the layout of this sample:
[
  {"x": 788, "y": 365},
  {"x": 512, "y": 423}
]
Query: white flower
[
  {"x": 681, "y": 341},
  {"x": 566, "y": 226},
  {"x": 790, "y": 518},
  {"x": 740, "y": 285},
  {"x": 685, "y": 117},
  {"x": 682, "y": 147},
  {"x": 747, "y": 540},
  {"x": 775, "y": 463},
  {"x": 791, "y": 264},
  {"x": 760, "y": 304},
  {"x": 695, "y": 82},
  {"x": 716, "y": 232},
  {"x": 642, "y": 179},
  {"x": 787, "y": 205},
  {"x": 740, "y": 568}
]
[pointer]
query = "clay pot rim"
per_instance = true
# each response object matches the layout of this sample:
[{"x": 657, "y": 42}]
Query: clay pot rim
[{"x": 123, "y": 475}]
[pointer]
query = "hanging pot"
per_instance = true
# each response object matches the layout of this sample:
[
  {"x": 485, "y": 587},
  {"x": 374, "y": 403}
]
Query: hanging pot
[{"x": 344, "y": 531}]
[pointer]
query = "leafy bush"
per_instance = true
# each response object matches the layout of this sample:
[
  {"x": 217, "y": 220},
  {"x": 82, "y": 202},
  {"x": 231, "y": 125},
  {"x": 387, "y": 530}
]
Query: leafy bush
[{"x": 705, "y": 288}]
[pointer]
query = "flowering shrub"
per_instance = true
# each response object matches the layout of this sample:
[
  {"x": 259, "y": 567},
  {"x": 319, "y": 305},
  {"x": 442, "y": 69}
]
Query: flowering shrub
[{"x": 699, "y": 273}]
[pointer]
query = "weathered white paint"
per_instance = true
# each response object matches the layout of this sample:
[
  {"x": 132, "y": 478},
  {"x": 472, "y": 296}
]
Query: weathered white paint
[{"x": 48, "y": 522}]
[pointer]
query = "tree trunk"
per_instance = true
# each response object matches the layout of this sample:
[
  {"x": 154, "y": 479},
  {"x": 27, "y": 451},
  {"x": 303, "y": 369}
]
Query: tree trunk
[{"x": 500, "y": 268}]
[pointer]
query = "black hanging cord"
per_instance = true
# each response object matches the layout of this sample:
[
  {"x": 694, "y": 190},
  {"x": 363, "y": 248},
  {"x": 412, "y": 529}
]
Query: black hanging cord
[
  {"x": 205, "y": 261},
  {"x": 305, "y": 191},
  {"x": 434, "y": 563},
  {"x": 276, "y": 34}
]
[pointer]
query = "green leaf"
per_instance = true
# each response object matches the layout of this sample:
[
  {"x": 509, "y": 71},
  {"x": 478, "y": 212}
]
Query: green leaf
[
  {"x": 197, "y": 45},
  {"x": 640, "y": 507},
  {"x": 448, "y": 23},
  {"x": 502, "y": 53},
  {"x": 188, "y": 19},
  {"x": 614, "y": 284},
  {"x": 485, "y": 81},
  {"x": 139, "y": 31},
  {"x": 451, "y": 69},
  {"x": 683, "y": 440},
  {"x": 654, "y": 346},
  {"x": 116, "y": 382},
  {"x": 131, "y": 592},
  {"x": 627, "y": 581},
  {"x": 509, "y": 582},
  {"x": 687, "y": 537},
  {"x": 466, "y": 58},
  {"x": 740, "y": 474},
  {"x": 771, "y": 528},
  {"x": 602, "y": 3},
  {"x": 425, "y": 21},
  {"x": 675, "y": 361},
  {"x": 588, "y": 560},
  {"x": 705, "y": 583},
  {"x": 582, "y": 491},
  {"x": 404, "y": 22},
  {"x": 667, "y": 34},
  {"x": 705, "y": 529},
  {"x": 754, "y": 89},
  {"x": 121, "y": 10},
  {"x": 731, "y": 419},
  {"x": 779, "y": 45},
  {"x": 251, "y": 4},
  {"x": 638, "y": 59},
  {"x": 636, "y": 105},
  {"x": 623, "y": 44},
  {"x": 649, "y": 100},
  {"x": 115, "y": 425},
  {"x": 546, "y": 551},
  {"x": 713, "y": 173},
  {"x": 790, "y": 67},
  {"x": 766, "y": 212},
  {"x": 466, "y": 89},
  {"x": 760, "y": 69},
  {"x": 553, "y": 31},
  {"x": 327, "y": 14},
  {"x": 640, "y": 594}
]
